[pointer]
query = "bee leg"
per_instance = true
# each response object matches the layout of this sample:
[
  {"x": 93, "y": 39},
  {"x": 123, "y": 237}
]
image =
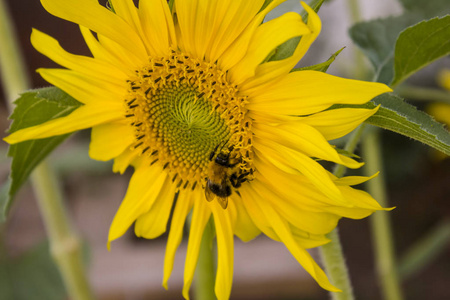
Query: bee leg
[
  {"x": 232, "y": 165},
  {"x": 211, "y": 155},
  {"x": 236, "y": 181}
]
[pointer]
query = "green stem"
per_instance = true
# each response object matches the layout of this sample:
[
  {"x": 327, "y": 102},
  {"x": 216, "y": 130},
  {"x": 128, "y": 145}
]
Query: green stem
[
  {"x": 205, "y": 272},
  {"x": 360, "y": 70},
  {"x": 14, "y": 75},
  {"x": 350, "y": 147},
  {"x": 424, "y": 251},
  {"x": 381, "y": 227},
  {"x": 423, "y": 94},
  {"x": 64, "y": 242},
  {"x": 355, "y": 11},
  {"x": 334, "y": 262},
  {"x": 331, "y": 253}
]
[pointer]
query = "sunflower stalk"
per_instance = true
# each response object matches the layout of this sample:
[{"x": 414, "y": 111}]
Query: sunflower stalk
[
  {"x": 205, "y": 278},
  {"x": 423, "y": 94},
  {"x": 381, "y": 226},
  {"x": 65, "y": 244},
  {"x": 331, "y": 253}
]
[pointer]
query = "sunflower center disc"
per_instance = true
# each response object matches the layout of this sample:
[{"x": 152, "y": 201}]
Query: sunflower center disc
[{"x": 181, "y": 110}]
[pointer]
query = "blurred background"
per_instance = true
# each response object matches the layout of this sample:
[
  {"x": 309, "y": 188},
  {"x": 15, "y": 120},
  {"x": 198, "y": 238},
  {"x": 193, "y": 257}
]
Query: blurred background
[{"x": 418, "y": 186}]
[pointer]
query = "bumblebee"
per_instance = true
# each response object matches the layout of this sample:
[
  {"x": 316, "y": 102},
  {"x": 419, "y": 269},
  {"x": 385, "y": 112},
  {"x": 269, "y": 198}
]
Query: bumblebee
[{"x": 222, "y": 177}]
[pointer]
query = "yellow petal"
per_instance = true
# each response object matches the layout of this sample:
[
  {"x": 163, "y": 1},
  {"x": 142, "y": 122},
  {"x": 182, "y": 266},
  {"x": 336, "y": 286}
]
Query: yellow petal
[
  {"x": 239, "y": 47},
  {"x": 120, "y": 53},
  {"x": 225, "y": 251},
  {"x": 245, "y": 229},
  {"x": 200, "y": 217},
  {"x": 297, "y": 189},
  {"x": 85, "y": 89},
  {"x": 250, "y": 197},
  {"x": 272, "y": 70},
  {"x": 303, "y": 138},
  {"x": 152, "y": 32},
  {"x": 153, "y": 223},
  {"x": 294, "y": 162},
  {"x": 235, "y": 16},
  {"x": 361, "y": 199},
  {"x": 102, "y": 54},
  {"x": 101, "y": 20},
  {"x": 122, "y": 161},
  {"x": 336, "y": 123},
  {"x": 294, "y": 187},
  {"x": 182, "y": 207},
  {"x": 308, "y": 221},
  {"x": 126, "y": 10},
  {"x": 186, "y": 13},
  {"x": 307, "y": 240},
  {"x": 307, "y": 92},
  {"x": 353, "y": 180},
  {"x": 143, "y": 190},
  {"x": 301, "y": 255},
  {"x": 267, "y": 37},
  {"x": 207, "y": 24},
  {"x": 50, "y": 47},
  {"x": 105, "y": 144},
  {"x": 85, "y": 116},
  {"x": 158, "y": 27}
]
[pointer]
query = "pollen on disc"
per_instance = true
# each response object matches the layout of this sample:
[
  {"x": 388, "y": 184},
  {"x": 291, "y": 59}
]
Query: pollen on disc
[{"x": 181, "y": 109}]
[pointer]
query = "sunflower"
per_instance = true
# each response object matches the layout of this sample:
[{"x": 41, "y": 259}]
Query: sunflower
[{"x": 190, "y": 98}]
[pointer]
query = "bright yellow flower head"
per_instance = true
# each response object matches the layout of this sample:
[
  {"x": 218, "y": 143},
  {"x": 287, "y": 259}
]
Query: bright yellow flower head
[{"x": 188, "y": 99}]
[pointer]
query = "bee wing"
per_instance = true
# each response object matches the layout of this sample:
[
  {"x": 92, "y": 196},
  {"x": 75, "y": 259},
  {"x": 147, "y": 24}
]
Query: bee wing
[
  {"x": 209, "y": 195},
  {"x": 223, "y": 201}
]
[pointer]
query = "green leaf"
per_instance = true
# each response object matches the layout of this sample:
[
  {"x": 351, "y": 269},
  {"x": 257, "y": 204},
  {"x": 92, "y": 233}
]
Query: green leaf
[
  {"x": 419, "y": 45},
  {"x": 322, "y": 67},
  {"x": 398, "y": 116},
  {"x": 377, "y": 40},
  {"x": 4, "y": 195},
  {"x": 33, "y": 108},
  {"x": 31, "y": 276},
  {"x": 285, "y": 50},
  {"x": 427, "y": 8}
]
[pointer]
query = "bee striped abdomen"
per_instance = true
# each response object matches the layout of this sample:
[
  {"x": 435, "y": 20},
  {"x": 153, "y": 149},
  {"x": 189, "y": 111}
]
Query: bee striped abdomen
[{"x": 219, "y": 189}]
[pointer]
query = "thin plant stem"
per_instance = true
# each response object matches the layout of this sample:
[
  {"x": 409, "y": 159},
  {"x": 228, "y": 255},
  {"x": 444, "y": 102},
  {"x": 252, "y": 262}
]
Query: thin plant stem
[
  {"x": 336, "y": 268},
  {"x": 360, "y": 63},
  {"x": 331, "y": 253},
  {"x": 350, "y": 147},
  {"x": 423, "y": 93},
  {"x": 14, "y": 75},
  {"x": 205, "y": 272},
  {"x": 64, "y": 242},
  {"x": 381, "y": 226},
  {"x": 66, "y": 248}
]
